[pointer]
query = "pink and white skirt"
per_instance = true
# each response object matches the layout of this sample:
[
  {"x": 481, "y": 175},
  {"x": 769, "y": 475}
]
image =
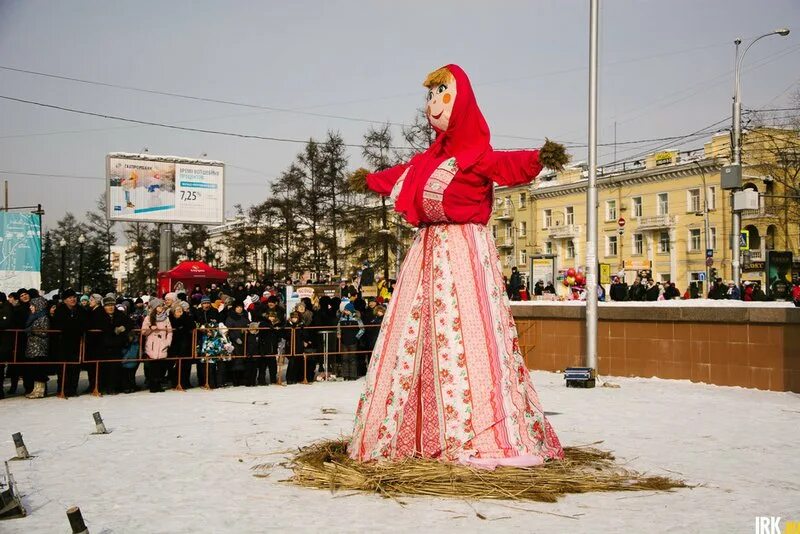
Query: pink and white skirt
[{"x": 447, "y": 379}]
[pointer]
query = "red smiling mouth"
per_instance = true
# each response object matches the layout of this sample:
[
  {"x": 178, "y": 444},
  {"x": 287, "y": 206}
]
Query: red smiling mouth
[{"x": 437, "y": 116}]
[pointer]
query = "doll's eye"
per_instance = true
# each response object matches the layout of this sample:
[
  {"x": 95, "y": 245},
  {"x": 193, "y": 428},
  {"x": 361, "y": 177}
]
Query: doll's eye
[
  {"x": 441, "y": 89},
  {"x": 430, "y": 95}
]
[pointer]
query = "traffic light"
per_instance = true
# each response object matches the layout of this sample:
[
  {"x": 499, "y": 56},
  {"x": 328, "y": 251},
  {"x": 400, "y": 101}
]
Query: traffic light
[{"x": 712, "y": 274}]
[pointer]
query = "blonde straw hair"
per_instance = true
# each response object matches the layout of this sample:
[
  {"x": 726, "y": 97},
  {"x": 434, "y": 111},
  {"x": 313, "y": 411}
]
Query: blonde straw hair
[{"x": 438, "y": 77}]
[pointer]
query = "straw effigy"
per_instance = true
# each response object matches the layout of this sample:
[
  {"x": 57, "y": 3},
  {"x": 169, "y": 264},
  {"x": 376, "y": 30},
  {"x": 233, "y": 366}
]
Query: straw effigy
[{"x": 325, "y": 465}]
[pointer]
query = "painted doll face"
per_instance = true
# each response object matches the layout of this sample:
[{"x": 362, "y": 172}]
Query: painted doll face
[{"x": 441, "y": 99}]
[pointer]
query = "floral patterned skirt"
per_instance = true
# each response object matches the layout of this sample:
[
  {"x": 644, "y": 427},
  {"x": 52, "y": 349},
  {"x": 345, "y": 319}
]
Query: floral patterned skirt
[{"x": 446, "y": 379}]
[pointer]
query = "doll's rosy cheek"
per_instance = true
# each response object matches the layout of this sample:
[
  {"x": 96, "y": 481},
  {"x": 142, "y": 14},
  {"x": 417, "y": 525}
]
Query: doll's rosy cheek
[{"x": 446, "y": 98}]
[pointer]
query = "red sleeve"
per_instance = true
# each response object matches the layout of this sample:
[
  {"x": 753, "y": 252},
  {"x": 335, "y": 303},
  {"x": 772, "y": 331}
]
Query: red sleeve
[
  {"x": 513, "y": 168},
  {"x": 382, "y": 182}
]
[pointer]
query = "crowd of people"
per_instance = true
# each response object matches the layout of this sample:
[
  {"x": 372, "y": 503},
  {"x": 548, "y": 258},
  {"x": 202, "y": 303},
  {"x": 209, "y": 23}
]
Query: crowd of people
[
  {"x": 232, "y": 336},
  {"x": 649, "y": 290}
]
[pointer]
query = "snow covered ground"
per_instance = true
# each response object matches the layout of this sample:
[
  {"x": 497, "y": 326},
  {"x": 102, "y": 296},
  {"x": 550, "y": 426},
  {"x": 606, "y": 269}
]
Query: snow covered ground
[{"x": 183, "y": 462}]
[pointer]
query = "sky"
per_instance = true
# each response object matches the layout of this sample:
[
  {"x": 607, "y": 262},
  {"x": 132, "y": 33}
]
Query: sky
[{"x": 666, "y": 69}]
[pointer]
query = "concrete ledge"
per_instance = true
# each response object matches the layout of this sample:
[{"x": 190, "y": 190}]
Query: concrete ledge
[{"x": 656, "y": 313}]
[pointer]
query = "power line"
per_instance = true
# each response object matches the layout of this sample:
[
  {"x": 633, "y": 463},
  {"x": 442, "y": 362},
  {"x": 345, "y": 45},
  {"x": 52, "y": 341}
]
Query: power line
[
  {"x": 96, "y": 178},
  {"x": 174, "y": 126}
]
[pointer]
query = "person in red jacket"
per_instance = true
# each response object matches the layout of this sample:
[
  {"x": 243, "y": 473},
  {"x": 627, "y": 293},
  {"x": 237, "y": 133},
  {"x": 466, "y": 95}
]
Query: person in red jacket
[{"x": 446, "y": 379}]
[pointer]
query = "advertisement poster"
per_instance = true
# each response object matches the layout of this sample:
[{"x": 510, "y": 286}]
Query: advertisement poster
[
  {"x": 165, "y": 189},
  {"x": 543, "y": 269},
  {"x": 779, "y": 274},
  {"x": 20, "y": 251}
]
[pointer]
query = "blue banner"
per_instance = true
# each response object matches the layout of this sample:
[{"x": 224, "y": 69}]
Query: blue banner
[{"x": 20, "y": 251}]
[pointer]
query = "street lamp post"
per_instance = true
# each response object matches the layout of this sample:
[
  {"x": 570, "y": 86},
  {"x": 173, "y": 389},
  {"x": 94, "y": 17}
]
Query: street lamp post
[
  {"x": 81, "y": 241},
  {"x": 63, "y": 244},
  {"x": 737, "y": 146},
  {"x": 149, "y": 273}
]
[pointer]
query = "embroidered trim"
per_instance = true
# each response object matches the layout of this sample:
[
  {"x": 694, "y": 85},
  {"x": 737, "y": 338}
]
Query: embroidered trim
[{"x": 433, "y": 192}]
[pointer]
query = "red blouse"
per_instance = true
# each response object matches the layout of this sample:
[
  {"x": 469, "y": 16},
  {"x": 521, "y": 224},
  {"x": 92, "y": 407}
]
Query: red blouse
[
  {"x": 452, "y": 180},
  {"x": 436, "y": 190}
]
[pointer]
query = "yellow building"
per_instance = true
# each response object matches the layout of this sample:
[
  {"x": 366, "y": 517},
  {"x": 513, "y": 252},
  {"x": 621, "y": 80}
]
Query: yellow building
[{"x": 662, "y": 199}]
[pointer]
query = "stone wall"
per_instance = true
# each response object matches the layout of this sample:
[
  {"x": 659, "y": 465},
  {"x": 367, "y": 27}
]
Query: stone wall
[{"x": 741, "y": 346}]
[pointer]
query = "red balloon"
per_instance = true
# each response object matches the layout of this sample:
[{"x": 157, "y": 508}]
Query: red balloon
[
  {"x": 571, "y": 272},
  {"x": 579, "y": 279},
  {"x": 565, "y": 282}
]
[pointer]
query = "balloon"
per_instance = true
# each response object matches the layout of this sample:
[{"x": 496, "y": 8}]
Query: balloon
[
  {"x": 570, "y": 280},
  {"x": 580, "y": 279},
  {"x": 564, "y": 281},
  {"x": 570, "y": 272}
]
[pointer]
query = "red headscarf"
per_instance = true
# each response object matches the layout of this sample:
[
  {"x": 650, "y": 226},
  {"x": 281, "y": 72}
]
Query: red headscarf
[{"x": 467, "y": 135}]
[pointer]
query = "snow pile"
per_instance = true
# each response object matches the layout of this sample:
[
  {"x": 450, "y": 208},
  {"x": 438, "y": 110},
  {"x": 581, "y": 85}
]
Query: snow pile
[{"x": 185, "y": 462}]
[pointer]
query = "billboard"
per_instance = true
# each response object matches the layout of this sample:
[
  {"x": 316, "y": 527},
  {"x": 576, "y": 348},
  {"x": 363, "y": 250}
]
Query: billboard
[
  {"x": 779, "y": 274},
  {"x": 165, "y": 189},
  {"x": 20, "y": 251}
]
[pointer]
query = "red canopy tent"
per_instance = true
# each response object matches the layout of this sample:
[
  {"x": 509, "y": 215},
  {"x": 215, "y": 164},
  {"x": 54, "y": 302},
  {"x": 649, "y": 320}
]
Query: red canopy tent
[{"x": 190, "y": 274}]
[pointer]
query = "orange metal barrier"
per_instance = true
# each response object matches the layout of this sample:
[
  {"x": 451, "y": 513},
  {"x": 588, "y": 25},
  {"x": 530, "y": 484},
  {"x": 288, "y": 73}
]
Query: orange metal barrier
[{"x": 82, "y": 359}]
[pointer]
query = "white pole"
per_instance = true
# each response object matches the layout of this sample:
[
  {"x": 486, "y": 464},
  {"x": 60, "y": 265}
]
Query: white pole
[{"x": 591, "y": 197}]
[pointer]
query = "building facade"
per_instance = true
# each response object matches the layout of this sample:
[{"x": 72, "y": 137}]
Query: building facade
[{"x": 661, "y": 216}]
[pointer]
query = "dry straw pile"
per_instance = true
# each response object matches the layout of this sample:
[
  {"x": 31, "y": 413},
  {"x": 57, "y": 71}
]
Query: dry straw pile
[{"x": 325, "y": 465}]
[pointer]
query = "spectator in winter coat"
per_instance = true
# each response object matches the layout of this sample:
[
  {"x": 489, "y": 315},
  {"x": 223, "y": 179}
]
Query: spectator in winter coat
[
  {"x": 6, "y": 339},
  {"x": 205, "y": 313},
  {"x": 652, "y": 292},
  {"x": 157, "y": 335},
  {"x": 181, "y": 346},
  {"x": 108, "y": 332},
  {"x": 37, "y": 347},
  {"x": 371, "y": 334},
  {"x": 671, "y": 292},
  {"x": 349, "y": 331},
  {"x": 618, "y": 290},
  {"x": 269, "y": 336},
  {"x": 21, "y": 311},
  {"x": 538, "y": 288},
  {"x": 70, "y": 320},
  {"x": 515, "y": 284},
  {"x": 299, "y": 341},
  {"x": 733, "y": 292},
  {"x": 237, "y": 322}
]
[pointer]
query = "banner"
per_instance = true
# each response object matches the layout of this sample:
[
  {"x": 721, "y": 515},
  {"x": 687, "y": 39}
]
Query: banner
[
  {"x": 543, "y": 268},
  {"x": 779, "y": 274},
  {"x": 165, "y": 189},
  {"x": 20, "y": 251}
]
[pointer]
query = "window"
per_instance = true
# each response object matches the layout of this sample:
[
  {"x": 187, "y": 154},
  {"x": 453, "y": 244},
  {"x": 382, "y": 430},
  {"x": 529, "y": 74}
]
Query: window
[
  {"x": 523, "y": 228},
  {"x": 548, "y": 247},
  {"x": 638, "y": 244},
  {"x": 611, "y": 210},
  {"x": 665, "y": 277},
  {"x": 611, "y": 245},
  {"x": 523, "y": 200},
  {"x": 663, "y": 242},
  {"x": 494, "y": 231},
  {"x": 637, "y": 206},
  {"x": 570, "y": 213},
  {"x": 523, "y": 257},
  {"x": 693, "y": 200},
  {"x": 713, "y": 239},
  {"x": 711, "y": 199},
  {"x": 548, "y": 218},
  {"x": 694, "y": 240},
  {"x": 509, "y": 230},
  {"x": 570, "y": 249},
  {"x": 509, "y": 205},
  {"x": 663, "y": 203},
  {"x": 509, "y": 260}
]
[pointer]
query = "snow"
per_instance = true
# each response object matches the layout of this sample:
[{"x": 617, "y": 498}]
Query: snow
[
  {"x": 183, "y": 462},
  {"x": 689, "y": 303}
]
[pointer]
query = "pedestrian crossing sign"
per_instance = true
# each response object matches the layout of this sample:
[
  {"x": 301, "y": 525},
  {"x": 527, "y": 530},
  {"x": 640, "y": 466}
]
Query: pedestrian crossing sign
[{"x": 744, "y": 240}]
